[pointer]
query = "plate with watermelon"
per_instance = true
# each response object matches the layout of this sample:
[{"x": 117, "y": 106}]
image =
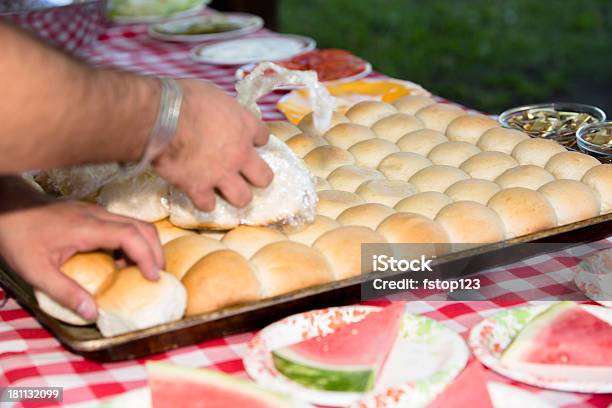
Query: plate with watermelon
[
  {"x": 563, "y": 346},
  {"x": 361, "y": 356}
]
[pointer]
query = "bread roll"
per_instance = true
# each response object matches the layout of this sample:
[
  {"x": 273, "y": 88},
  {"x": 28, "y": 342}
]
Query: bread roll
[
  {"x": 342, "y": 249},
  {"x": 220, "y": 279},
  {"x": 394, "y": 126},
  {"x": 333, "y": 202},
  {"x": 282, "y": 129},
  {"x": 452, "y": 153},
  {"x": 536, "y": 151},
  {"x": 287, "y": 266},
  {"x": 348, "y": 178},
  {"x": 367, "y": 215},
  {"x": 527, "y": 176},
  {"x": 410, "y": 104},
  {"x": 570, "y": 165},
  {"x": 421, "y": 141},
  {"x": 324, "y": 159},
  {"x": 301, "y": 144},
  {"x": 181, "y": 253},
  {"x": 402, "y": 165},
  {"x": 367, "y": 113},
  {"x": 599, "y": 178},
  {"x": 468, "y": 222},
  {"x": 428, "y": 237},
  {"x": 476, "y": 190},
  {"x": 369, "y": 153},
  {"x": 307, "y": 123},
  {"x": 427, "y": 203},
  {"x": 322, "y": 184},
  {"x": 387, "y": 192},
  {"x": 469, "y": 128},
  {"x": 500, "y": 139},
  {"x": 488, "y": 165},
  {"x": 133, "y": 302},
  {"x": 344, "y": 135},
  {"x": 523, "y": 211},
  {"x": 572, "y": 200},
  {"x": 93, "y": 271},
  {"x": 437, "y": 178},
  {"x": 143, "y": 197},
  {"x": 247, "y": 240},
  {"x": 439, "y": 115},
  {"x": 310, "y": 232},
  {"x": 166, "y": 231}
]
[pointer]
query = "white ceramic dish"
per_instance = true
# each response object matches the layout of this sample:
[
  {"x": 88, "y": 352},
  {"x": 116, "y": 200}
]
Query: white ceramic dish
[
  {"x": 247, "y": 23},
  {"x": 250, "y": 50},
  {"x": 490, "y": 337},
  {"x": 425, "y": 358}
]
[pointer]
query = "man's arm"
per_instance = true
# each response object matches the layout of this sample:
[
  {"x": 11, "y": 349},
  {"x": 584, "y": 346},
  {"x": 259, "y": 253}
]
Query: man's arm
[{"x": 56, "y": 111}]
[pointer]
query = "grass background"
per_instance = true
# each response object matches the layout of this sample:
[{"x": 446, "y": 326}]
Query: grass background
[{"x": 487, "y": 54}]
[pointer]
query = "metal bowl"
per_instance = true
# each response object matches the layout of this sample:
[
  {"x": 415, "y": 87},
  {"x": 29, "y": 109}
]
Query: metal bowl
[
  {"x": 568, "y": 140},
  {"x": 600, "y": 152},
  {"x": 70, "y": 24}
]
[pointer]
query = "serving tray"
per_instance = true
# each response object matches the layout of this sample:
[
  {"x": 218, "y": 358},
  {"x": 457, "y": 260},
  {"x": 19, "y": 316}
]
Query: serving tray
[{"x": 88, "y": 342}]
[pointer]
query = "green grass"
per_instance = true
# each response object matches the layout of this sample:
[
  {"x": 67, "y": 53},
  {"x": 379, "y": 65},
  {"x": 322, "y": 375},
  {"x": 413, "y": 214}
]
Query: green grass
[{"x": 487, "y": 54}]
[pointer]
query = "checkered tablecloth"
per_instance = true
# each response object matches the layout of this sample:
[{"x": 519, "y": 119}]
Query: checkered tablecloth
[{"x": 30, "y": 356}]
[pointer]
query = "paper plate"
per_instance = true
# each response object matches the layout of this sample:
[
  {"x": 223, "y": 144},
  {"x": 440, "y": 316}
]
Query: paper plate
[
  {"x": 246, "y": 23},
  {"x": 154, "y": 18},
  {"x": 245, "y": 69},
  {"x": 489, "y": 338},
  {"x": 247, "y": 50},
  {"x": 425, "y": 358},
  {"x": 508, "y": 396},
  {"x": 594, "y": 277},
  {"x": 295, "y": 105}
]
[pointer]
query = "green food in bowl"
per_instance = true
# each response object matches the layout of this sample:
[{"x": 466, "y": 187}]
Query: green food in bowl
[
  {"x": 197, "y": 28},
  {"x": 140, "y": 8}
]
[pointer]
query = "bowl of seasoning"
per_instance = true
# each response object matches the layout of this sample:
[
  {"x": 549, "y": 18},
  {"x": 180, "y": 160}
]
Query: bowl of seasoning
[
  {"x": 596, "y": 140},
  {"x": 557, "y": 121}
]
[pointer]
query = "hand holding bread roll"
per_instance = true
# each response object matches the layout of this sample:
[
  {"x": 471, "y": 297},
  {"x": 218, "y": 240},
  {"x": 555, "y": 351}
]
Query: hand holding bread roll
[{"x": 94, "y": 271}]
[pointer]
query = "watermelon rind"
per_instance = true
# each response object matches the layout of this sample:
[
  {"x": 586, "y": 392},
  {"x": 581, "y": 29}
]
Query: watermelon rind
[
  {"x": 224, "y": 381},
  {"x": 320, "y": 377},
  {"x": 524, "y": 340}
]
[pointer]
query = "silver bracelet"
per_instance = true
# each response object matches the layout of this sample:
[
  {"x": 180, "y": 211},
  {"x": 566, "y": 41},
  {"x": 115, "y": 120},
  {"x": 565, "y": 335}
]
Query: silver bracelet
[{"x": 164, "y": 129}]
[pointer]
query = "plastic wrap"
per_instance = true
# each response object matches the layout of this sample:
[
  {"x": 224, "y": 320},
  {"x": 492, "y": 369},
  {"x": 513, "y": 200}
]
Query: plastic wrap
[{"x": 290, "y": 199}]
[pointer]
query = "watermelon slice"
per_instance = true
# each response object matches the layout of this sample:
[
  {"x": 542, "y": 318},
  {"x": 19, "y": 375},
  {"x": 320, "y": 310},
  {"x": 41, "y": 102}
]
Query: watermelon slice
[
  {"x": 174, "y": 386},
  {"x": 349, "y": 359},
  {"x": 576, "y": 342},
  {"x": 468, "y": 390}
]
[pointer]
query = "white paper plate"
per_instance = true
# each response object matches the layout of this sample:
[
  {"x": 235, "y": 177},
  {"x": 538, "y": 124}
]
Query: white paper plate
[
  {"x": 247, "y": 23},
  {"x": 595, "y": 284},
  {"x": 425, "y": 358},
  {"x": 245, "y": 69},
  {"x": 257, "y": 49},
  {"x": 489, "y": 338},
  {"x": 153, "y": 18}
]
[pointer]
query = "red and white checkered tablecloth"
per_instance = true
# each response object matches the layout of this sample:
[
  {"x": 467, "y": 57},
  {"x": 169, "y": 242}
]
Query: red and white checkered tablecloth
[{"x": 30, "y": 356}]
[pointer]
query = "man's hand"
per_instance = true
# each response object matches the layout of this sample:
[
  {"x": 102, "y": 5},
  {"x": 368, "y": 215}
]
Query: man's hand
[
  {"x": 214, "y": 148},
  {"x": 37, "y": 240}
]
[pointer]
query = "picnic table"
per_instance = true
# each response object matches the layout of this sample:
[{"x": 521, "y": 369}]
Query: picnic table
[{"x": 30, "y": 356}]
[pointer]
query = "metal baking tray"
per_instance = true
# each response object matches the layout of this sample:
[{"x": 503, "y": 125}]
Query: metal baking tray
[{"x": 88, "y": 342}]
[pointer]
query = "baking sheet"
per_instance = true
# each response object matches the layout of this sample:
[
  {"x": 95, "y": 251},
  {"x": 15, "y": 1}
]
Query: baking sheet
[{"x": 88, "y": 342}]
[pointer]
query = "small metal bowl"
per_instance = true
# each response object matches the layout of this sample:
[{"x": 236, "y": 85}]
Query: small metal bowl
[
  {"x": 70, "y": 24},
  {"x": 567, "y": 140},
  {"x": 603, "y": 153}
]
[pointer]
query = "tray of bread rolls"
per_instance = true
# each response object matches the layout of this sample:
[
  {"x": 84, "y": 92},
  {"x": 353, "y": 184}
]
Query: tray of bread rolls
[{"x": 415, "y": 171}]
